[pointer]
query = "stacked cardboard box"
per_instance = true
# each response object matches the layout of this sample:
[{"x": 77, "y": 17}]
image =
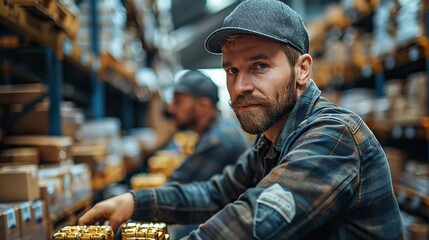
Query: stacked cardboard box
[
  {"x": 9, "y": 227},
  {"x": 99, "y": 144},
  {"x": 19, "y": 183},
  {"x": 416, "y": 95},
  {"x": 27, "y": 220},
  {"x": 22, "y": 214},
  {"x": 71, "y": 119},
  {"x": 20, "y": 155},
  {"x": 51, "y": 149},
  {"x": 111, "y": 24},
  {"x": 21, "y": 93}
]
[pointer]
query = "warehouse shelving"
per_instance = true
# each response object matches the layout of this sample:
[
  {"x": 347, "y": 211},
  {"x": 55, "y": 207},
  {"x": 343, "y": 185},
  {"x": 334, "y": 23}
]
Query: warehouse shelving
[
  {"x": 47, "y": 53},
  {"x": 60, "y": 49},
  {"x": 409, "y": 134},
  {"x": 406, "y": 59},
  {"x": 68, "y": 212}
]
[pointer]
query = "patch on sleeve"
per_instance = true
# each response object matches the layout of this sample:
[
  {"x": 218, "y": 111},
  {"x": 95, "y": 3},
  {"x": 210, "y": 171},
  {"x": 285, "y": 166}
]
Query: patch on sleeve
[
  {"x": 275, "y": 209},
  {"x": 280, "y": 200}
]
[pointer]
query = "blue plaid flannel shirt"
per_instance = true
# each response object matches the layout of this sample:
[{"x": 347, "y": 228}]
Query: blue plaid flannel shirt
[
  {"x": 220, "y": 144},
  {"x": 325, "y": 177}
]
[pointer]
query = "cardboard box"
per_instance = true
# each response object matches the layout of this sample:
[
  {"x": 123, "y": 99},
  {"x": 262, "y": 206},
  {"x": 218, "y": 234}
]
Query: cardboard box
[
  {"x": 41, "y": 219},
  {"x": 19, "y": 183},
  {"x": 104, "y": 128},
  {"x": 20, "y": 155},
  {"x": 48, "y": 194},
  {"x": 91, "y": 152},
  {"x": 71, "y": 120},
  {"x": 55, "y": 182},
  {"x": 9, "y": 227},
  {"x": 420, "y": 231},
  {"x": 31, "y": 217},
  {"x": 24, "y": 218},
  {"x": 81, "y": 179},
  {"x": 20, "y": 93},
  {"x": 52, "y": 149}
]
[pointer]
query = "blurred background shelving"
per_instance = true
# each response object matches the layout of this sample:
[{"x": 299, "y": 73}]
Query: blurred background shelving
[{"x": 373, "y": 57}]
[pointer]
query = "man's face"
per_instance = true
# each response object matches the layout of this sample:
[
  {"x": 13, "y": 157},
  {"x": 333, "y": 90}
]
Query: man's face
[
  {"x": 183, "y": 109},
  {"x": 260, "y": 81}
]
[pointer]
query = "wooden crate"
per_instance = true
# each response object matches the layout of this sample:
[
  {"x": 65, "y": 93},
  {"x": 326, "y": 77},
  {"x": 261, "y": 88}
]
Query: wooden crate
[
  {"x": 67, "y": 21},
  {"x": 42, "y": 8},
  {"x": 59, "y": 15}
]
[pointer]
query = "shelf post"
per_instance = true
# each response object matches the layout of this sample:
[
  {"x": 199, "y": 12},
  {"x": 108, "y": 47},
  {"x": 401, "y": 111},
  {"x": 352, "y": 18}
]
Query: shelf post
[
  {"x": 379, "y": 84},
  {"x": 98, "y": 89},
  {"x": 426, "y": 23},
  {"x": 97, "y": 97},
  {"x": 54, "y": 72},
  {"x": 127, "y": 112},
  {"x": 6, "y": 73}
]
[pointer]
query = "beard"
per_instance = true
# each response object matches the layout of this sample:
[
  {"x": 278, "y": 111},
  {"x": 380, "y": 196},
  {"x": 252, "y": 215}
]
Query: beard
[
  {"x": 273, "y": 109},
  {"x": 189, "y": 123},
  {"x": 183, "y": 126}
]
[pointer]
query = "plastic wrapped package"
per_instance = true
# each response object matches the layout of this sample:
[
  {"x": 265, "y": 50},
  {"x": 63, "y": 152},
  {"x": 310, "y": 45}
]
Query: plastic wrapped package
[
  {"x": 111, "y": 23},
  {"x": 416, "y": 95},
  {"x": 384, "y": 38},
  {"x": 409, "y": 21},
  {"x": 359, "y": 100}
]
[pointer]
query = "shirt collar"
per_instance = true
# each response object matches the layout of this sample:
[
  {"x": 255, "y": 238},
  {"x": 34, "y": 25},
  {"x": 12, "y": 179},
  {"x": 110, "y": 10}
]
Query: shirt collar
[{"x": 299, "y": 113}]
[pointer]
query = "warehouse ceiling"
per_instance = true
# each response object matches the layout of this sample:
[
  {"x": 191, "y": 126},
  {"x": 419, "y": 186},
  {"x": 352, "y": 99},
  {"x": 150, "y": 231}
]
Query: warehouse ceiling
[
  {"x": 192, "y": 25},
  {"x": 195, "y": 20}
]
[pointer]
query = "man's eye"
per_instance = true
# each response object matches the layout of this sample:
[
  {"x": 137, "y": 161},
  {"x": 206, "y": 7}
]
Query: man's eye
[
  {"x": 232, "y": 71},
  {"x": 261, "y": 65}
]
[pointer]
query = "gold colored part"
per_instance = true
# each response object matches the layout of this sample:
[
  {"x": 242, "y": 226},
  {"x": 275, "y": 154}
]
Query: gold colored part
[
  {"x": 144, "y": 231},
  {"x": 91, "y": 232}
]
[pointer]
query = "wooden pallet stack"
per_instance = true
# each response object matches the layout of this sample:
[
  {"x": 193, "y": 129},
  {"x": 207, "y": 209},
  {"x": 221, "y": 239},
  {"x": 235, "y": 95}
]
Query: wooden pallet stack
[{"x": 56, "y": 12}]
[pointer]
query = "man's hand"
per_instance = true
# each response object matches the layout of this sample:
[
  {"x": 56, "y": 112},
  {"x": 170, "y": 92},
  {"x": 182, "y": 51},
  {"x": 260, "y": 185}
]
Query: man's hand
[{"x": 116, "y": 210}]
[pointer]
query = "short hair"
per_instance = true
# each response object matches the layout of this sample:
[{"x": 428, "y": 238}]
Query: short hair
[{"x": 291, "y": 53}]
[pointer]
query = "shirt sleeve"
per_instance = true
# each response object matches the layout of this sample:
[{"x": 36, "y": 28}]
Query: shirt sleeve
[
  {"x": 194, "y": 202},
  {"x": 205, "y": 163},
  {"x": 309, "y": 187}
]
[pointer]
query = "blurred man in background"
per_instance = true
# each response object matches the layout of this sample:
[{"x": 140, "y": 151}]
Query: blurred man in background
[{"x": 220, "y": 140}]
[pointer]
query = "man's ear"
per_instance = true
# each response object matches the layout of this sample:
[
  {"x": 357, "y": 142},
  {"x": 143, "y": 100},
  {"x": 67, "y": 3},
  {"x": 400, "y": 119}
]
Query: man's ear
[{"x": 303, "y": 67}]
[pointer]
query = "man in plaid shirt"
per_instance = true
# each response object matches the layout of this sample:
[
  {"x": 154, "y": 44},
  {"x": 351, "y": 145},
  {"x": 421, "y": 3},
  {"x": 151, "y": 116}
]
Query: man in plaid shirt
[{"x": 315, "y": 171}]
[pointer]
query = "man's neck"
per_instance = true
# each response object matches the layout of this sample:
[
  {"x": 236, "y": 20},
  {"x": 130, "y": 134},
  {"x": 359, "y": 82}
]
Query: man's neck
[{"x": 273, "y": 132}]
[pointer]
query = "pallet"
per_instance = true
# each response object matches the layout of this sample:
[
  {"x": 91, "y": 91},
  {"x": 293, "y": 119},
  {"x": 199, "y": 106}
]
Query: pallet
[
  {"x": 55, "y": 12},
  {"x": 67, "y": 21},
  {"x": 112, "y": 69},
  {"x": 46, "y": 9}
]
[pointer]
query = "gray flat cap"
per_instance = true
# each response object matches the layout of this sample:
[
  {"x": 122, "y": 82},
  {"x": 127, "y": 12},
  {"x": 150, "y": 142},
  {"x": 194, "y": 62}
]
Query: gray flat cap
[
  {"x": 267, "y": 18},
  {"x": 196, "y": 83}
]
